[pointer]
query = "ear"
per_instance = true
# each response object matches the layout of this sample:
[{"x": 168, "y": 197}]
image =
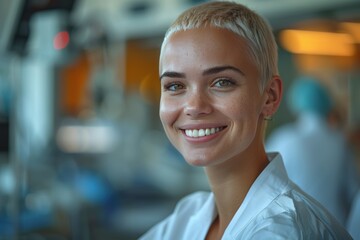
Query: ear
[{"x": 273, "y": 95}]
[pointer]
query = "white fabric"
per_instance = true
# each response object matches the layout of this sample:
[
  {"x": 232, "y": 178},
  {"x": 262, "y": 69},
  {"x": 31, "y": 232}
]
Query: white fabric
[
  {"x": 354, "y": 218},
  {"x": 274, "y": 208},
  {"x": 316, "y": 158}
]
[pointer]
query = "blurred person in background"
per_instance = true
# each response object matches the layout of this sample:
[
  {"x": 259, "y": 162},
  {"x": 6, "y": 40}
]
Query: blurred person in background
[
  {"x": 219, "y": 86},
  {"x": 316, "y": 154}
]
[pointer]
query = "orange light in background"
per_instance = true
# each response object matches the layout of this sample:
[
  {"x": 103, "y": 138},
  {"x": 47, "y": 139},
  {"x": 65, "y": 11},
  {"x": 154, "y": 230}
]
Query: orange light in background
[
  {"x": 61, "y": 40},
  {"x": 150, "y": 88},
  {"x": 317, "y": 43},
  {"x": 353, "y": 29},
  {"x": 74, "y": 79}
]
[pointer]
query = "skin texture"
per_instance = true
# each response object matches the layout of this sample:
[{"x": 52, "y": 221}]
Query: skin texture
[{"x": 210, "y": 80}]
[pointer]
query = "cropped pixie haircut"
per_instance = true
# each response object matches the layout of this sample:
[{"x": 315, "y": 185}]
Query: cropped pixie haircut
[{"x": 241, "y": 21}]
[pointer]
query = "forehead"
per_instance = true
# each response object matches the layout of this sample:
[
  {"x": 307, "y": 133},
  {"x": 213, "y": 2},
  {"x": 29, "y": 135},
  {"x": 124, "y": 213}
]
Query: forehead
[{"x": 204, "y": 46}]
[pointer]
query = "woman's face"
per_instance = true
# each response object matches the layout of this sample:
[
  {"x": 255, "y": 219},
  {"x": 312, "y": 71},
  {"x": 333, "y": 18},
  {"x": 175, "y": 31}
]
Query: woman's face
[{"x": 210, "y": 103}]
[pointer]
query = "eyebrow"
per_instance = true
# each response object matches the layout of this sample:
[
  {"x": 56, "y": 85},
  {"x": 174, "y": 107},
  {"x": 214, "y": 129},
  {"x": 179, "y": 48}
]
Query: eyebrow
[
  {"x": 172, "y": 74},
  {"x": 210, "y": 71},
  {"x": 219, "y": 69}
]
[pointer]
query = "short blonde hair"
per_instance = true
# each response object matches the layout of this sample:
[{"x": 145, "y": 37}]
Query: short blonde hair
[{"x": 240, "y": 20}]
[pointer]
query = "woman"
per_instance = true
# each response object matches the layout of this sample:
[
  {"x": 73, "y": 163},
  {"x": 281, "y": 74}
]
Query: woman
[{"x": 220, "y": 83}]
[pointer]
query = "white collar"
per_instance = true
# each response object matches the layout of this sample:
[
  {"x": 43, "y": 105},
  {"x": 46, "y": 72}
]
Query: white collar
[{"x": 269, "y": 184}]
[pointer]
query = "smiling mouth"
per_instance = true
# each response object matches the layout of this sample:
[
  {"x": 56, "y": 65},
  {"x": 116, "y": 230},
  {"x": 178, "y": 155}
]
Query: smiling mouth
[{"x": 196, "y": 133}]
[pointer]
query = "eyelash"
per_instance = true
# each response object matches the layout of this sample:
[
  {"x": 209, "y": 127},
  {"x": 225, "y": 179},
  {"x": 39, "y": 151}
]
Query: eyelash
[
  {"x": 169, "y": 86},
  {"x": 228, "y": 83},
  {"x": 176, "y": 86}
]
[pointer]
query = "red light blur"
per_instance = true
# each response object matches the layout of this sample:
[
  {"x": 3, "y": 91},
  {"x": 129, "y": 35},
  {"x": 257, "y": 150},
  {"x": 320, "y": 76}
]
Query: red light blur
[{"x": 61, "y": 40}]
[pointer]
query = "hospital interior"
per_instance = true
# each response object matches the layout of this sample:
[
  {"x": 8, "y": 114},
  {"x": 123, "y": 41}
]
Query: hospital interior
[{"x": 83, "y": 155}]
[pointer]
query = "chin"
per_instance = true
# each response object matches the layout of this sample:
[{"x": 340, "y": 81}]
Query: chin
[{"x": 198, "y": 161}]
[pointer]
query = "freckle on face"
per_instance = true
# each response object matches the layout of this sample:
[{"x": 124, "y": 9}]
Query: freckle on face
[{"x": 190, "y": 52}]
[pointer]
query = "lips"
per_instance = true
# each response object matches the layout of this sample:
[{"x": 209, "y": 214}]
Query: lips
[{"x": 202, "y": 132}]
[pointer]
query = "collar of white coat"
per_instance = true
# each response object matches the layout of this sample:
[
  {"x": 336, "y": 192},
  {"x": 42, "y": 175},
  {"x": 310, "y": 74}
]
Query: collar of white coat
[{"x": 268, "y": 186}]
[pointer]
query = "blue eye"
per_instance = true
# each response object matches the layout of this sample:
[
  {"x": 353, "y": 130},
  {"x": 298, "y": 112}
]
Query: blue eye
[
  {"x": 173, "y": 87},
  {"x": 223, "y": 83}
]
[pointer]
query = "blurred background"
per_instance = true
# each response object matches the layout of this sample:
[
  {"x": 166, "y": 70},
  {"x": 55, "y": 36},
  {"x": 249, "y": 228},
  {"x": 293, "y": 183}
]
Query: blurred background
[{"x": 82, "y": 151}]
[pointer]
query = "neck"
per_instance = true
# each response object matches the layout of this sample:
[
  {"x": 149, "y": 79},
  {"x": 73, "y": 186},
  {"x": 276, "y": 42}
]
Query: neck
[{"x": 231, "y": 182}]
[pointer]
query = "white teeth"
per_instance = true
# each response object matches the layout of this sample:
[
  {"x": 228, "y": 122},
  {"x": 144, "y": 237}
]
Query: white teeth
[
  {"x": 207, "y": 132},
  {"x": 201, "y": 132},
  {"x": 188, "y": 133}
]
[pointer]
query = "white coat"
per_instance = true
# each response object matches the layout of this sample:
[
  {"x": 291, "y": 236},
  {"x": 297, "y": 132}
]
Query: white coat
[
  {"x": 274, "y": 208},
  {"x": 353, "y": 223},
  {"x": 318, "y": 160}
]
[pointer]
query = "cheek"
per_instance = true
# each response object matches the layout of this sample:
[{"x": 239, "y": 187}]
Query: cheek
[
  {"x": 168, "y": 112},
  {"x": 241, "y": 108}
]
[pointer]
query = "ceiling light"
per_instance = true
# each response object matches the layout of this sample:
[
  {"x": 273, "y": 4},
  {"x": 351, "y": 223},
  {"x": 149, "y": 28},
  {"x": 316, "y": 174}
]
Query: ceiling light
[
  {"x": 317, "y": 43},
  {"x": 353, "y": 29}
]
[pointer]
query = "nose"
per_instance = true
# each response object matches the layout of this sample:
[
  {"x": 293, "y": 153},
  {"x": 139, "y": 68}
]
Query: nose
[{"x": 197, "y": 104}]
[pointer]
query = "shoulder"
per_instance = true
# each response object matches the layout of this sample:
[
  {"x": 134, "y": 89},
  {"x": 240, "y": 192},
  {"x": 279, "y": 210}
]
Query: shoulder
[
  {"x": 190, "y": 205},
  {"x": 295, "y": 214},
  {"x": 195, "y": 200},
  {"x": 175, "y": 225},
  {"x": 277, "y": 209}
]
